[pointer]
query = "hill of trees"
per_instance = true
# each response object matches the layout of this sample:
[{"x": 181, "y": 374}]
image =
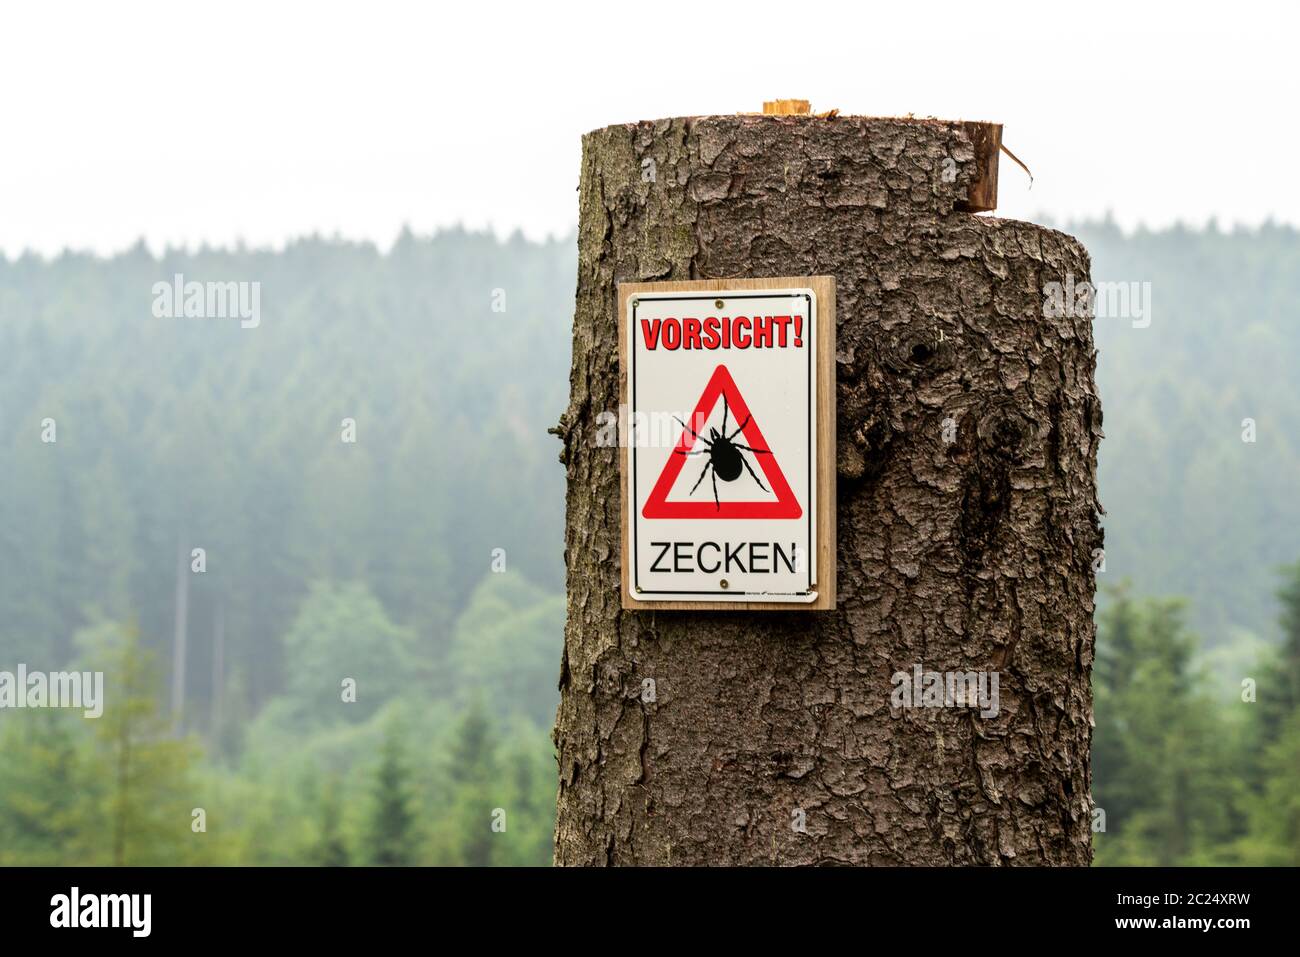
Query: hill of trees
[
  {"x": 369, "y": 639},
  {"x": 1191, "y": 508}
]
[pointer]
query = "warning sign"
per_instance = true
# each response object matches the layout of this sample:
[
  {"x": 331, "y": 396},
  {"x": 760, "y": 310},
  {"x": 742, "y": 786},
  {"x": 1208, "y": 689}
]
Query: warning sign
[
  {"x": 727, "y": 492},
  {"x": 725, "y": 457}
]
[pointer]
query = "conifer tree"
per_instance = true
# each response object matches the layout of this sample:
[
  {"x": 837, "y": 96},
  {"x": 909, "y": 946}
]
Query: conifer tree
[
  {"x": 392, "y": 823},
  {"x": 146, "y": 807},
  {"x": 331, "y": 849}
]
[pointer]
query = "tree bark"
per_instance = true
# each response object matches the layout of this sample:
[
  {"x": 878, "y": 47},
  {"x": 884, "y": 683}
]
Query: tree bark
[{"x": 958, "y": 551}]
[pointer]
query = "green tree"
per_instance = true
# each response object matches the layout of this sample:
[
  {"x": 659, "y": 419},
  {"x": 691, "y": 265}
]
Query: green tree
[
  {"x": 1161, "y": 769},
  {"x": 529, "y": 761},
  {"x": 142, "y": 770},
  {"x": 507, "y": 644},
  {"x": 1273, "y": 837},
  {"x": 44, "y": 812},
  {"x": 342, "y": 633},
  {"x": 463, "y": 820},
  {"x": 392, "y": 823},
  {"x": 331, "y": 849},
  {"x": 1272, "y": 799},
  {"x": 1279, "y": 685}
]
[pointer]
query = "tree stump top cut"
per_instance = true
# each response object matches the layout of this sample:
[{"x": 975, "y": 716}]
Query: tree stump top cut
[{"x": 973, "y": 145}]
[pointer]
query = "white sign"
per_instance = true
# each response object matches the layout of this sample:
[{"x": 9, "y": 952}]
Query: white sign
[{"x": 722, "y": 436}]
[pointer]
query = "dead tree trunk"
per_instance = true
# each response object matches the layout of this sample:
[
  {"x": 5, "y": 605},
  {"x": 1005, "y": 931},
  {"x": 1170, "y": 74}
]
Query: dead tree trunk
[{"x": 967, "y": 441}]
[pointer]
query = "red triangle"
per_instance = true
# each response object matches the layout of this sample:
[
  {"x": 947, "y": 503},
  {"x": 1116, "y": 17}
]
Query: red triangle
[{"x": 658, "y": 506}]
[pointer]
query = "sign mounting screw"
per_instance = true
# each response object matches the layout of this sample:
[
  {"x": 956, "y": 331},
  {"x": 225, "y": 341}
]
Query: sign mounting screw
[
  {"x": 725, "y": 584},
  {"x": 719, "y": 303}
]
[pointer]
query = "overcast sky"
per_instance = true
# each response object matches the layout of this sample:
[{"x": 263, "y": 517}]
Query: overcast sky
[{"x": 183, "y": 122}]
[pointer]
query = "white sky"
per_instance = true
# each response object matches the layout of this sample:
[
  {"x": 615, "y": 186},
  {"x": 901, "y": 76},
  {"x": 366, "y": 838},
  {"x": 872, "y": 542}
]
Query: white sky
[{"x": 186, "y": 122}]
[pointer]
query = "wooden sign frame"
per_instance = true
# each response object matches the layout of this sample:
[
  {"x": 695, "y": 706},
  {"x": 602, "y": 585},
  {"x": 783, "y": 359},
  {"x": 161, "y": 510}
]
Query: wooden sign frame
[{"x": 824, "y": 287}]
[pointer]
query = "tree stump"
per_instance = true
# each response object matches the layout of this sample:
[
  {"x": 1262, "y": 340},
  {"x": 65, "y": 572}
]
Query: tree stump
[{"x": 968, "y": 519}]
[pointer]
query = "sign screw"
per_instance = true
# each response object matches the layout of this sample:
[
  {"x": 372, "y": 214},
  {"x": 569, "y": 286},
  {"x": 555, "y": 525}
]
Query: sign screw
[
  {"x": 719, "y": 304},
  {"x": 724, "y": 584}
]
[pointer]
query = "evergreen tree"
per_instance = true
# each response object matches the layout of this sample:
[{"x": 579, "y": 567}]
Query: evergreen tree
[
  {"x": 1272, "y": 798},
  {"x": 143, "y": 771},
  {"x": 330, "y": 850},
  {"x": 1273, "y": 834},
  {"x": 44, "y": 812},
  {"x": 473, "y": 775},
  {"x": 1279, "y": 685},
  {"x": 1162, "y": 772},
  {"x": 392, "y": 823}
]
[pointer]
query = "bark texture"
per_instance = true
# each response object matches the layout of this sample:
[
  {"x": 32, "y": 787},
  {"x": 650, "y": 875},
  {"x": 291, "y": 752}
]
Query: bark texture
[{"x": 974, "y": 554}]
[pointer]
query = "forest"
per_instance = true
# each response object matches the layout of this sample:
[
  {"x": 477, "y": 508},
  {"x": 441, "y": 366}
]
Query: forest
[{"x": 319, "y": 558}]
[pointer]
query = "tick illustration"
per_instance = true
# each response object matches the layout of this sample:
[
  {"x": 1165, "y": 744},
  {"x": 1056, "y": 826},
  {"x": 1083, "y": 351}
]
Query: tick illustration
[{"x": 725, "y": 458}]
